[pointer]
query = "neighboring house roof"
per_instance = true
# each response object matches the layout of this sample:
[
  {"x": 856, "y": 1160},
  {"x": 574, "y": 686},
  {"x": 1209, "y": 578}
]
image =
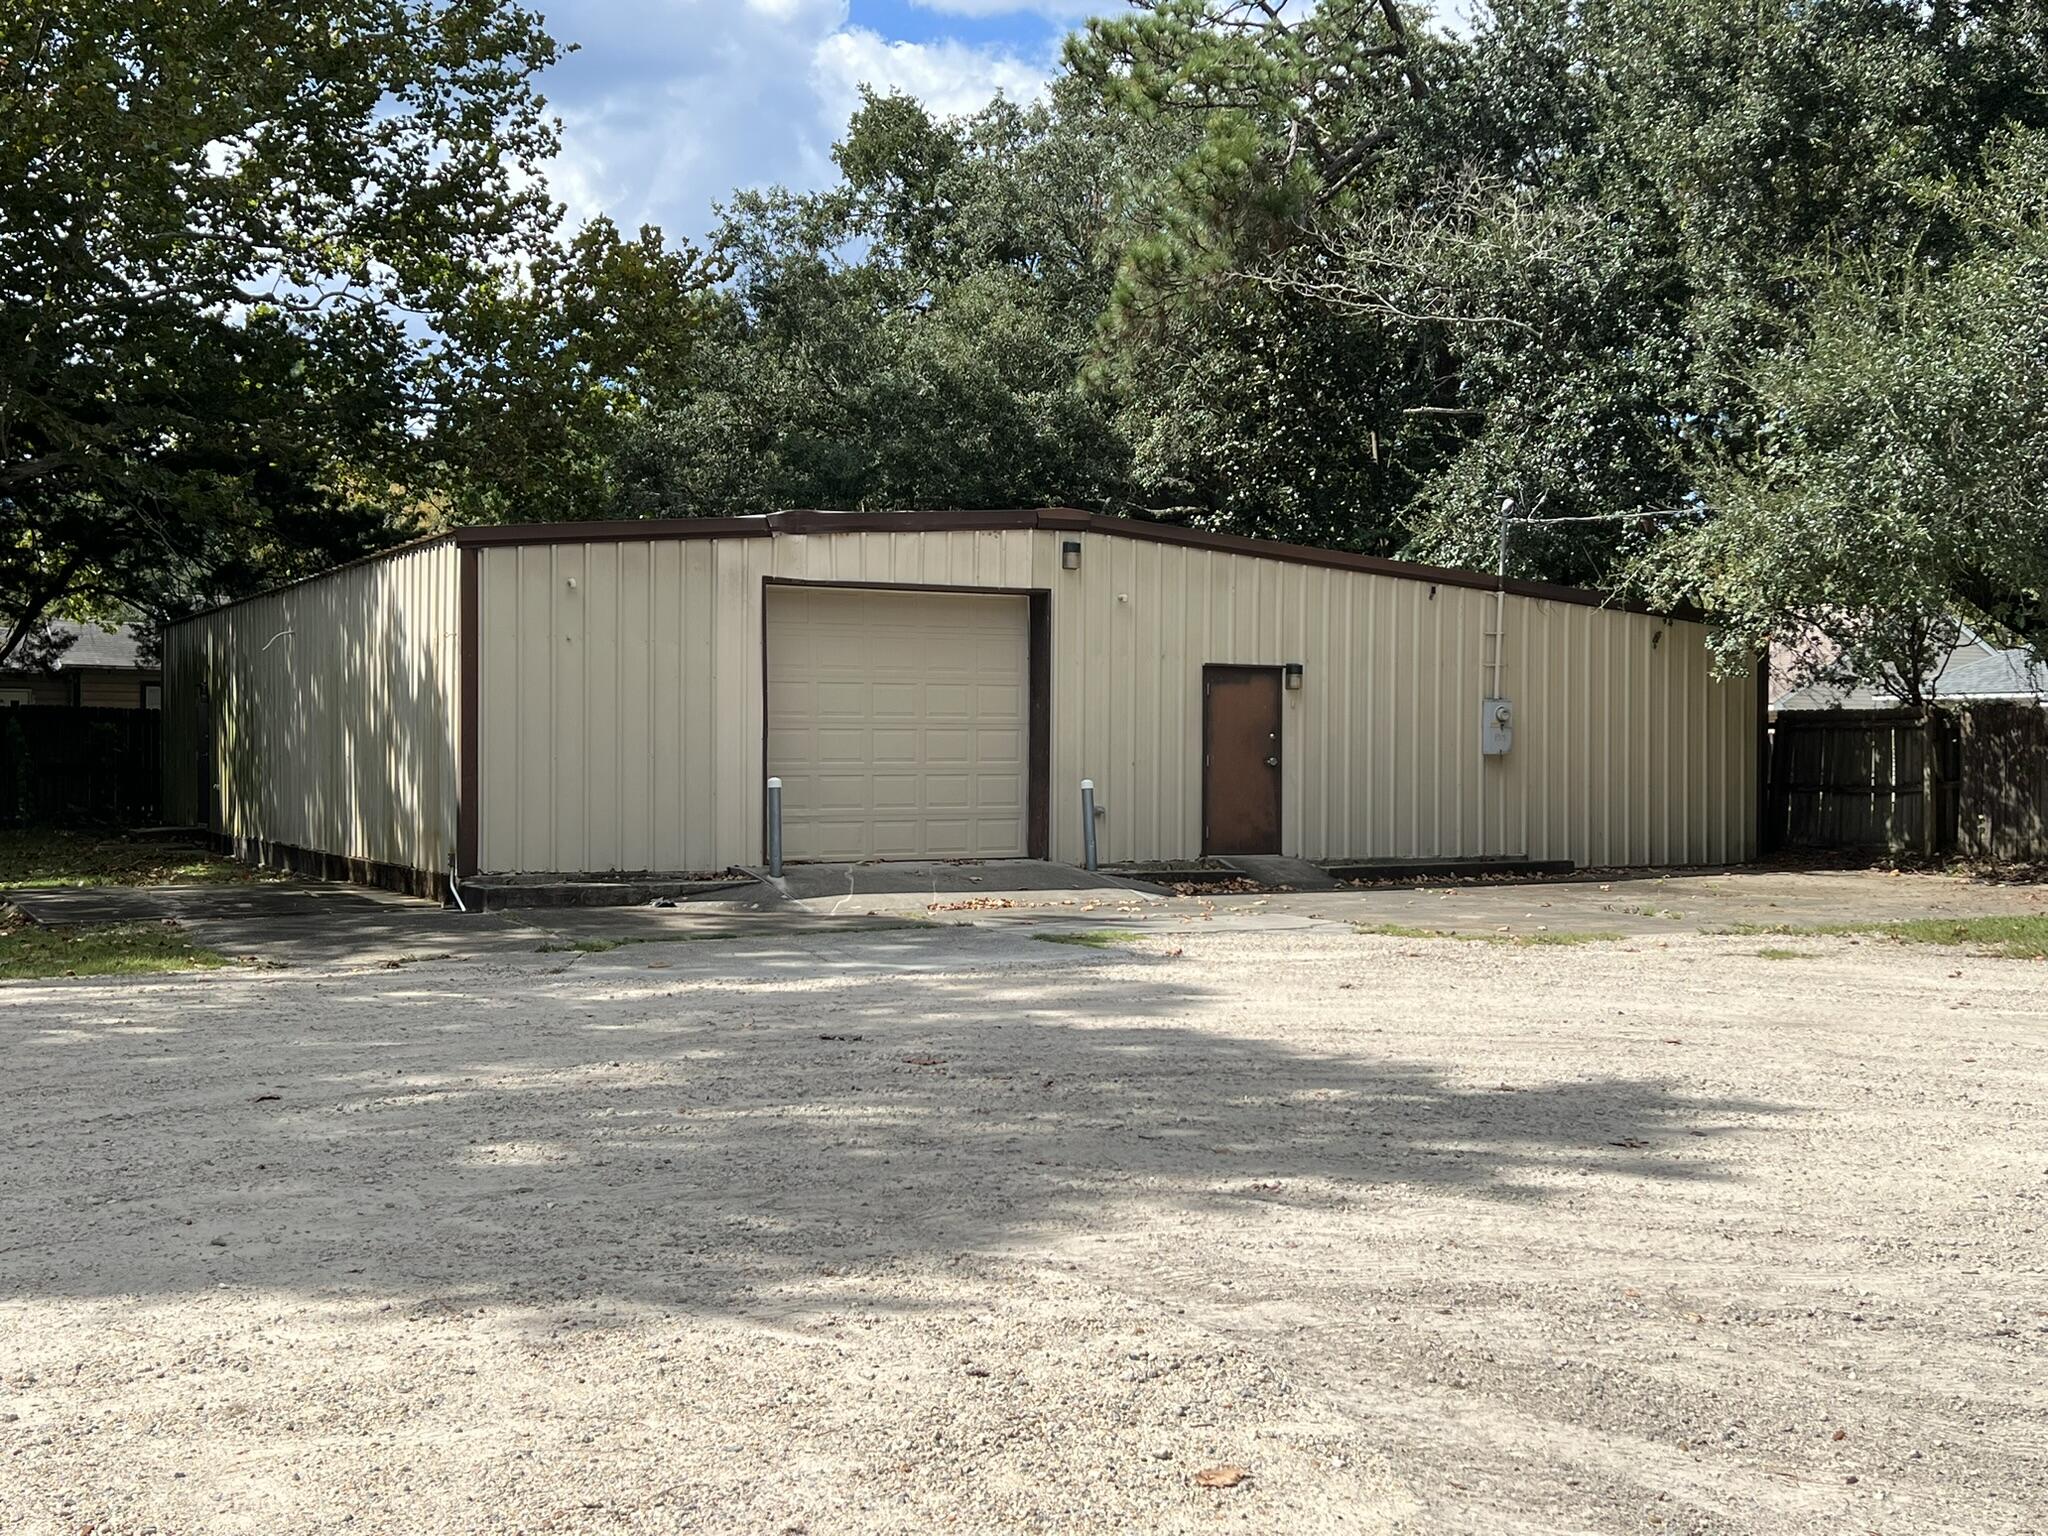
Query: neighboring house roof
[
  {"x": 1975, "y": 669},
  {"x": 94, "y": 647}
]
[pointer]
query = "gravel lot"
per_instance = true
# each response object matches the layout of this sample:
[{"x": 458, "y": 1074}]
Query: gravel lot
[{"x": 959, "y": 1230}]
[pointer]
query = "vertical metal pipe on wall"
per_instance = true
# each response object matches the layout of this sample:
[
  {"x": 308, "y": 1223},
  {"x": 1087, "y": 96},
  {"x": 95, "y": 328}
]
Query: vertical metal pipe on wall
[
  {"x": 1088, "y": 820},
  {"x": 775, "y": 828}
]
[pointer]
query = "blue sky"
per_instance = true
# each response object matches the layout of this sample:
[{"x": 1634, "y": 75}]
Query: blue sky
[{"x": 669, "y": 105}]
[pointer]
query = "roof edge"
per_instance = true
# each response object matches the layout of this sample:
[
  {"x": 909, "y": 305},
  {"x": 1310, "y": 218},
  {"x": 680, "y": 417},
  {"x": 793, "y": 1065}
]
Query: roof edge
[
  {"x": 810, "y": 521},
  {"x": 1063, "y": 519},
  {"x": 410, "y": 546}
]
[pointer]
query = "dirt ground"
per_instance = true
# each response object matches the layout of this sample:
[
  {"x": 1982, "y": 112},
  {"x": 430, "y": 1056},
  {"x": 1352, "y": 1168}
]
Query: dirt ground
[{"x": 920, "y": 1231}]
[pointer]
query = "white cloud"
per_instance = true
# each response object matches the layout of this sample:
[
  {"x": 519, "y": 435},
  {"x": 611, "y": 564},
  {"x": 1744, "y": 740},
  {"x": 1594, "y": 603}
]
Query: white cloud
[
  {"x": 948, "y": 77},
  {"x": 669, "y": 106},
  {"x": 1055, "y": 10}
]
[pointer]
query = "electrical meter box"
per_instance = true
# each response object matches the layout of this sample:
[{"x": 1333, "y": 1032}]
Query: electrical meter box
[{"x": 1496, "y": 726}]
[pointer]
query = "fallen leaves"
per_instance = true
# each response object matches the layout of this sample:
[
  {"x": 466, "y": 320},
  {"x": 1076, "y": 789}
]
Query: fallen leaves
[{"x": 1223, "y": 1475}]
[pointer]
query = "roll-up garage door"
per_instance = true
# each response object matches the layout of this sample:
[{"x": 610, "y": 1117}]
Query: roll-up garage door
[{"x": 897, "y": 722}]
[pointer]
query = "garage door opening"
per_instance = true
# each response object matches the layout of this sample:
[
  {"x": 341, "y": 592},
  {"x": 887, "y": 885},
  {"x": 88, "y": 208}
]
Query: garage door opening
[{"x": 900, "y": 722}]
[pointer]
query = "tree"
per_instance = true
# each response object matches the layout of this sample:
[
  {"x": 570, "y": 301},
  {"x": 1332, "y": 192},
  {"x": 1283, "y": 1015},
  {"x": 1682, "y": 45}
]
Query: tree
[
  {"x": 925, "y": 333},
  {"x": 910, "y": 337},
  {"x": 548, "y": 370},
  {"x": 1897, "y": 483},
  {"x": 1560, "y": 243},
  {"x": 258, "y": 261}
]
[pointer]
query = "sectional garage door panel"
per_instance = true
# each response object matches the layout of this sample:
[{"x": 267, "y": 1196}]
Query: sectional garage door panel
[{"x": 897, "y": 722}]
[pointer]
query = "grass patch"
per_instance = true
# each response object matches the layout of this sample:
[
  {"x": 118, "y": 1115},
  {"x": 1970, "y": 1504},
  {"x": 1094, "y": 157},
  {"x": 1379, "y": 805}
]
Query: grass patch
[
  {"x": 2022, "y": 937},
  {"x": 1540, "y": 937},
  {"x": 43, "y": 859},
  {"x": 31, "y": 952},
  {"x": 1404, "y": 931},
  {"x": 2016, "y": 938},
  {"x": 587, "y": 946},
  {"x": 1772, "y": 952},
  {"x": 1093, "y": 938}
]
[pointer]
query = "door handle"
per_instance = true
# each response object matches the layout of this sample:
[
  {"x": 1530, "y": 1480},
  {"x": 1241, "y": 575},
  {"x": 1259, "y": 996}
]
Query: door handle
[{"x": 1272, "y": 762}]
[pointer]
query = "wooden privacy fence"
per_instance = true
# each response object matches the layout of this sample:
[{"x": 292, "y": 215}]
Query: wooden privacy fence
[
  {"x": 2002, "y": 795},
  {"x": 1852, "y": 779},
  {"x": 63, "y": 766}
]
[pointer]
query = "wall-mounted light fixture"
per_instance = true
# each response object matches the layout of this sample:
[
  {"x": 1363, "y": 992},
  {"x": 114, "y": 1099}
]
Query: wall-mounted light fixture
[
  {"x": 1070, "y": 555},
  {"x": 1292, "y": 672}
]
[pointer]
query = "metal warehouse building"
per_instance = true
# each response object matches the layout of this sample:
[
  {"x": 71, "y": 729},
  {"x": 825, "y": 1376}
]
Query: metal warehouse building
[{"x": 595, "y": 697}]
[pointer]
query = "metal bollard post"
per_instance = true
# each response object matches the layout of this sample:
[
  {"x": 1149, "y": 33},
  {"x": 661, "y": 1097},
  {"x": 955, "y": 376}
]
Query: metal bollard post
[
  {"x": 775, "y": 828},
  {"x": 1088, "y": 820}
]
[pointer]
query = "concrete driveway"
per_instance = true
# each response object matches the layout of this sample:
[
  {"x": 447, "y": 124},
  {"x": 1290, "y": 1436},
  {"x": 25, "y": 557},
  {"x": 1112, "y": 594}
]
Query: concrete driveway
[{"x": 314, "y": 923}]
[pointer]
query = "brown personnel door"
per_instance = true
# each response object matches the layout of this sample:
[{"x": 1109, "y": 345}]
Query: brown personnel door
[{"x": 1240, "y": 760}]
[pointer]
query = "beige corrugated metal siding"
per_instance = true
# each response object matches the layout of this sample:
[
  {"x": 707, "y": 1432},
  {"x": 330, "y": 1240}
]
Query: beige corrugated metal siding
[
  {"x": 334, "y": 713},
  {"x": 621, "y": 702}
]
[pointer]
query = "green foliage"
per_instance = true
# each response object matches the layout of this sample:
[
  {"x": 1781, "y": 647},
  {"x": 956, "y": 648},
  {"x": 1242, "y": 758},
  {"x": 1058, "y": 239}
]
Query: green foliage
[
  {"x": 1739, "y": 302},
  {"x": 1574, "y": 258},
  {"x": 1894, "y": 481},
  {"x": 548, "y": 369},
  {"x": 912, "y": 337},
  {"x": 266, "y": 270}
]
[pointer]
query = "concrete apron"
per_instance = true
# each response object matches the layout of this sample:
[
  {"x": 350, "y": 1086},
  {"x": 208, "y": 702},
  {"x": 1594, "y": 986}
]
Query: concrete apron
[
  {"x": 324, "y": 924},
  {"x": 912, "y": 884}
]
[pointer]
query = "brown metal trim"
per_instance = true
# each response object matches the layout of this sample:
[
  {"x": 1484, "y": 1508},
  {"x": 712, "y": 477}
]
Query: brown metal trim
[
  {"x": 1038, "y": 788},
  {"x": 1763, "y": 755},
  {"x": 904, "y": 586},
  {"x": 995, "y": 521},
  {"x": 1064, "y": 519},
  {"x": 469, "y": 625},
  {"x": 1337, "y": 559},
  {"x": 616, "y": 531},
  {"x": 1279, "y": 674},
  {"x": 1038, "y": 685}
]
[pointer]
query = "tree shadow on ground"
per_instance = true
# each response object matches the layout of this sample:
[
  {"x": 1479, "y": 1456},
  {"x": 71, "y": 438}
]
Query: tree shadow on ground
[{"x": 702, "y": 1127}]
